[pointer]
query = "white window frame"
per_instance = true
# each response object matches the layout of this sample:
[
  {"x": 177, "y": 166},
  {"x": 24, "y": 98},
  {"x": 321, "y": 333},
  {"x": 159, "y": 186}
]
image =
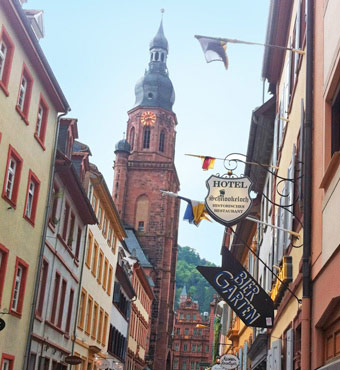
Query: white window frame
[
  {"x": 30, "y": 199},
  {"x": 6, "y": 364},
  {"x": 39, "y": 120},
  {"x": 11, "y": 172},
  {"x": 17, "y": 286},
  {"x": 22, "y": 92},
  {"x": 3, "y": 54}
]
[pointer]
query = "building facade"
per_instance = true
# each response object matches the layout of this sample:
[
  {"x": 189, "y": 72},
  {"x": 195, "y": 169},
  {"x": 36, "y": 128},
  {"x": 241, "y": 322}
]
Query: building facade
[
  {"x": 144, "y": 165},
  {"x": 60, "y": 277},
  {"x": 30, "y": 101},
  {"x": 99, "y": 269},
  {"x": 191, "y": 336}
]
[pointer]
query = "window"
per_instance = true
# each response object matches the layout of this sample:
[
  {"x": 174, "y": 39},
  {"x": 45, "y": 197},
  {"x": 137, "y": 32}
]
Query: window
[
  {"x": 55, "y": 296},
  {"x": 19, "y": 283},
  {"x": 62, "y": 303},
  {"x": 176, "y": 364},
  {"x": 32, "y": 361},
  {"x": 56, "y": 195},
  {"x": 161, "y": 141},
  {"x": 3, "y": 266},
  {"x": 66, "y": 218},
  {"x": 94, "y": 203},
  {"x": 25, "y": 92},
  {"x": 94, "y": 320},
  {"x": 12, "y": 179},
  {"x": 109, "y": 235},
  {"x": 207, "y": 348},
  {"x": 335, "y": 130},
  {"x": 41, "y": 123},
  {"x": 88, "y": 319},
  {"x": 42, "y": 288},
  {"x": 132, "y": 138},
  {"x": 141, "y": 226},
  {"x": 184, "y": 365},
  {"x": 105, "y": 226},
  {"x": 100, "y": 217},
  {"x": 100, "y": 325},
  {"x": 185, "y": 348},
  {"x": 181, "y": 316},
  {"x": 199, "y": 348},
  {"x": 7, "y": 362},
  {"x": 147, "y": 134},
  {"x": 81, "y": 313},
  {"x": 89, "y": 249},
  {"x": 100, "y": 267},
  {"x": 186, "y": 331},
  {"x": 187, "y": 317},
  {"x": 94, "y": 259},
  {"x": 194, "y": 317},
  {"x": 176, "y": 347},
  {"x": 105, "y": 324},
  {"x": 69, "y": 311},
  {"x": 106, "y": 266},
  {"x": 32, "y": 197},
  {"x": 6, "y": 57},
  {"x": 79, "y": 233},
  {"x": 178, "y": 331},
  {"x": 194, "y": 348},
  {"x": 109, "y": 283},
  {"x": 71, "y": 231}
]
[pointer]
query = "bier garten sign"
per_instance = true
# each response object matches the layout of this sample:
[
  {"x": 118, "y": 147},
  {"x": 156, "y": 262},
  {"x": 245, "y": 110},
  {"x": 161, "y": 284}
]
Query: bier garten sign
[{"x": 228, "y": 200}]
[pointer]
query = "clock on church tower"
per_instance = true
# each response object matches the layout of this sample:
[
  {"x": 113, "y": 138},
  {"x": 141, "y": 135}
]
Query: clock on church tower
[{"x": 144, "y": 165}]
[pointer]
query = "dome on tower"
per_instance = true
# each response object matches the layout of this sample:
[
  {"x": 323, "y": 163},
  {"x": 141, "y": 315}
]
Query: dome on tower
[
  {"x": 122, "y": 146},
  {"x": 155, "y": 88},
  {"x": 159, "y": 41}
]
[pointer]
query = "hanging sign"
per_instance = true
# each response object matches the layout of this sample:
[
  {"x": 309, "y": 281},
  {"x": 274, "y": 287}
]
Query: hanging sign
[
  {"x": 228, "y": 200},
  {"x": 241, "y": 291},
  {"x": 229, "y": 362}
]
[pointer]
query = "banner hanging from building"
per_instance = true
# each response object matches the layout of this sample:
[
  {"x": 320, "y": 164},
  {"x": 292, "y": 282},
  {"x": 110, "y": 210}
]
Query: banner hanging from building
[{"x": 241, "y": 292}]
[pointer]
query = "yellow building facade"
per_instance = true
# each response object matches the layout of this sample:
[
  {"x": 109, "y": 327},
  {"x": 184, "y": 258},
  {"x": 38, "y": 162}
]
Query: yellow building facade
[
  {"x": 30, "y": 100},
  {"x": 95, "y": 302}
]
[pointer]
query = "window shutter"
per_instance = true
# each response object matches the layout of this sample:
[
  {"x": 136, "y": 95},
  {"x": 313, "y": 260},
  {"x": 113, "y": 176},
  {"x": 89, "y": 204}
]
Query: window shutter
[
  {"x": 276, "y": 124},
  {"x": 290, "y": 349},
  {"x": 290, "y": 200},
  {"x": 276, "y": 347},
  {"x": 245, "y": 352},
  {"x": 269, "y": 360}
]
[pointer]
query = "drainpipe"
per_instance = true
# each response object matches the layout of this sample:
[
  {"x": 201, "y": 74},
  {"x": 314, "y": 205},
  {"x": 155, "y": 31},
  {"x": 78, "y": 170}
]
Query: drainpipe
[
  {"x": 307, "y": 197},
  {"x": 42, "y": 247}
]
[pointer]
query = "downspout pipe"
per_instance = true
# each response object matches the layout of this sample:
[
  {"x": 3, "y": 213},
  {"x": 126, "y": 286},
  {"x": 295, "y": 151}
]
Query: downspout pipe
[
  {"x": 42, "y": 247},
  {"x": 307, "y": 196}
]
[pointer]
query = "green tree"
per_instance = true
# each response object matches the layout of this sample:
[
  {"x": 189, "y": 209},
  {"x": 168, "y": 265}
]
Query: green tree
[{"x": 187, "y": 275}]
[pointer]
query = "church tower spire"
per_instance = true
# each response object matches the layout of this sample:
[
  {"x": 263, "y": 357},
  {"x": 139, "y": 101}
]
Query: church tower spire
[{"x": 144, "y": 165}]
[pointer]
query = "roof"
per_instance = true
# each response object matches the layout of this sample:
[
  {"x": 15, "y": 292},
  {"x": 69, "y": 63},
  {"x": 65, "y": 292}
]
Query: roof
[
  {"x": 28, "y": 39},
  {"x": 159, "y": 41},
  {"x": 135, "y": 248}
]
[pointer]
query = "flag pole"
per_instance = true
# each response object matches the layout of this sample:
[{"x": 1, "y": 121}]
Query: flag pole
[{"x": 234, "y": 41}]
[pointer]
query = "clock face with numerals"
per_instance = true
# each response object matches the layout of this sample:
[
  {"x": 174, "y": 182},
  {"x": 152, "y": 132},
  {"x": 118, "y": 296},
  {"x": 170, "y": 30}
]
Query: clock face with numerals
[{"x": 148, "y": 118}]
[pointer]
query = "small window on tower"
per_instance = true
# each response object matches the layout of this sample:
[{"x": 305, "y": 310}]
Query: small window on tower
[
  {"x": 147, "y": 133},
  {"x": 141, "y": 226},
  {"x": 161, "y": 141},
  {"x": 156, "y": 55}
]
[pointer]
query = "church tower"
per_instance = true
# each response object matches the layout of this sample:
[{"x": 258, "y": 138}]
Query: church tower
[{"x": 144, "y": 165}]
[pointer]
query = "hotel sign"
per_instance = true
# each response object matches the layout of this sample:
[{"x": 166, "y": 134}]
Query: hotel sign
[
  {"x": 241, "y": 291},
  {"x": 228, "y": 199}
]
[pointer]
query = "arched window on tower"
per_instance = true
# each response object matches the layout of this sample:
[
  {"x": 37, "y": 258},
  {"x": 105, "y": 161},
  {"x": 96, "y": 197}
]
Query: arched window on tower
[
  {"x": 162, "y": 57},
  {"x": 142, "y": 213},
  {"x": 161, "y": 141},
  {"x": 156, "y": 55},
  {"x": 132, "y": 137},
  {"x": 147, "y": 134}
]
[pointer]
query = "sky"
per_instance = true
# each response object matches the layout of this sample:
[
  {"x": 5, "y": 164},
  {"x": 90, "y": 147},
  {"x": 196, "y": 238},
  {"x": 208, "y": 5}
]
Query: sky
[{"x": 98, "y": 50}]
